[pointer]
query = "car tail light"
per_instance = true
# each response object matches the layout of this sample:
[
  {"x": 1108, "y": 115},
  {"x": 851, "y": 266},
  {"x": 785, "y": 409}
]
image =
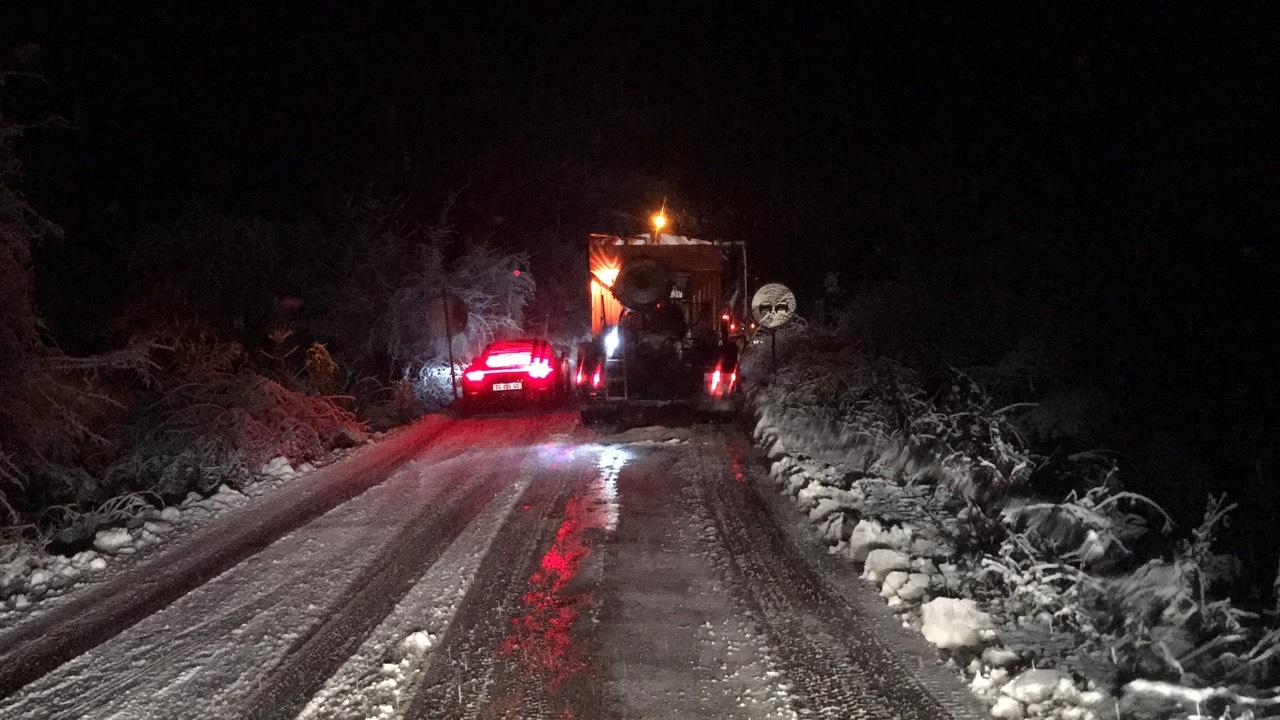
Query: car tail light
[
  {"x": 474, "y": 375},
  {"x": 595, "y": 379},
  {"x": 582, "y": 376},
  {"x": 539, "y": 368},
  {"x": 715, "y": 380}
]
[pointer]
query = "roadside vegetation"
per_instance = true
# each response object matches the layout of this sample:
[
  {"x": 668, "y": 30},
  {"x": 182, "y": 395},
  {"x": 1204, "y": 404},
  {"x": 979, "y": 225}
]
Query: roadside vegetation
[
  {"x": 1089, "y": 599},
  {"x": 240, "y": 341}
]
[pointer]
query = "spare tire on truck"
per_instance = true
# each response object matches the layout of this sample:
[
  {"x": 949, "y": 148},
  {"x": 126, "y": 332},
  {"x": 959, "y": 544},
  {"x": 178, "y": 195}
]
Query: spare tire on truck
[{"x": 643, "y": 283}]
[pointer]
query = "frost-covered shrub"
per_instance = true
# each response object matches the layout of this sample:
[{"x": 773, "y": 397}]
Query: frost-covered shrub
[
  {"x": 393, "y": 268},
  {"x": 1090, "y": 529},
  {"x": 171, "y": 468},
  {"x": 953, "y": 435},
  {"x": 387, "y": 405},
  {"x": 1035, "y": 584},
  {"x": 253, "y": 417},
  {"x": 432, "y": 385},
  {"x": 1168, "y": 623},
  {"x": 1053, "y": 545}
]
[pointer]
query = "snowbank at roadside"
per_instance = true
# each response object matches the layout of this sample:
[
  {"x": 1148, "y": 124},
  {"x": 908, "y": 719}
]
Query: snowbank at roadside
[
  {"x": 1013, "y": 592},
  {"x": 28, "y": 574}
]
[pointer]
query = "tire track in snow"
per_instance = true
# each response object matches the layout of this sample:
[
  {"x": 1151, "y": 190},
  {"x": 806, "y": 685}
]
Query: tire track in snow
[
  {"x": 223, "y": 640},
  {"x": 284, "y": 689},
  {"x": 169, "y": 659},
  {"x": 833, "y": 664},
  {"x": 382, "y": 676},
  {"x": 672, "y": 634},
  {"x": 482, "y": 675},
  {"x": 46, "y": 640}
]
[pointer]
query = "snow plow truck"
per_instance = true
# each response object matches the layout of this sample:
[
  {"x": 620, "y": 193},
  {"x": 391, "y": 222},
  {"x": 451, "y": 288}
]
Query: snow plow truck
[{"x": 667, "y": 316}]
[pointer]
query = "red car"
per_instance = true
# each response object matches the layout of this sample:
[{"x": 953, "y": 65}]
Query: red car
[{"x": 523, "y": 372}]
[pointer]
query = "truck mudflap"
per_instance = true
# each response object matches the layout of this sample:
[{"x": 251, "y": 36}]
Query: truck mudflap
[{"x": 638, "y": 413}]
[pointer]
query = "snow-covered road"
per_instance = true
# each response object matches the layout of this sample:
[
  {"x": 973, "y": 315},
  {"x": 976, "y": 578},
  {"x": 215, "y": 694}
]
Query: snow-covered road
[{"x": 504, "y": 567}]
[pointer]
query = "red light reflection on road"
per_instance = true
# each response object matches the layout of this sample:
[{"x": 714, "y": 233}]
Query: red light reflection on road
[
  {"x": 546, "y": 648},
  {"x": 541, "y": 637}
]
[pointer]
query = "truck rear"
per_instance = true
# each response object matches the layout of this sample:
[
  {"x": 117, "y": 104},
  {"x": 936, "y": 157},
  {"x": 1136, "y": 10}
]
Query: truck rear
[{"x": 665, "y": 327}]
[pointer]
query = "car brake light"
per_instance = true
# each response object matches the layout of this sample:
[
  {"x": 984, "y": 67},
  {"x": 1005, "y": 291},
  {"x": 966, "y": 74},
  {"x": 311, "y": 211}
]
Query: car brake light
[
  {"x": 475, "y": 375},
  {"x": 581, "y": 376},
  {"x": 595, "y": 379},
  {"x": 715, "y": 380},
  {"x": 539, "y": 369},
  {"x": 508, "y": 359}
]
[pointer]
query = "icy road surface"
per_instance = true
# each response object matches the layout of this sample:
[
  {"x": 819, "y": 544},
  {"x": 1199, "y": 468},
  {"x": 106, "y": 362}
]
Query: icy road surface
[{"x": 504, "y": 567}]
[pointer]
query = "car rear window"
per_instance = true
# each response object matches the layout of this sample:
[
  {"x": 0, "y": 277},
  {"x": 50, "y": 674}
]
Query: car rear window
[{"x": 513, "y": 353}]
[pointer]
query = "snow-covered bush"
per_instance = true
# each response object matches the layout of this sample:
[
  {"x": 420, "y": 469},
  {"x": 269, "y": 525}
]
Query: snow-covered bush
[
  {"x": 1170, "y": 625},
  {"x": 1089, "y": 529},
  {"x": 1052, "y": 545},
  {"x": 374, "y": 312},
  {"x": 1035, "y": 583},
  {"x": 209, "y": 418},
  {"x": 954, "y": 434}
]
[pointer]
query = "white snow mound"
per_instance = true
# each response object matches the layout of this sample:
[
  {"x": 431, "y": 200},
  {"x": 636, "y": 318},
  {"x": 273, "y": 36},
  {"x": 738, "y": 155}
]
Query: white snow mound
[
  {"x": 953, "y": 624},
  {"x": 278, "y": 467},
  {"x": 416, "y": 643},
  {"x": 1033, "y": 686},
  {"x": 1006, "y": 708},
  {"x": 865, "y": 537},
  {"x": 915, "y": 587},
  {"x": 882, "y": 561},
  {"x": 113, "y": 540}
]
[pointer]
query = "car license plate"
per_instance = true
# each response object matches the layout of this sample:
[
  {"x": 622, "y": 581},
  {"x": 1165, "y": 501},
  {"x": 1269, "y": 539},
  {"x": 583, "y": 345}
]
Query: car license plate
[{"x": 507, "y": 386}]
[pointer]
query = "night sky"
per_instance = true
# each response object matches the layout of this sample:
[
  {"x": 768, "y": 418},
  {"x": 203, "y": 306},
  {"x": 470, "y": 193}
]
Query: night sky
[
  {"x": 1101, "y": 178},
  {"x": 875, "y": 129}
]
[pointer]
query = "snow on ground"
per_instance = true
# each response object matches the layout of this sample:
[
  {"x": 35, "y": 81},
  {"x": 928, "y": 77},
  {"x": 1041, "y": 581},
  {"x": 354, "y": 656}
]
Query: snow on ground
[
  {"x": 896, "y": 531},
  {"x": 751, "y": 670},
  {"x": 878, "y": 502},
  {"x": 204, "y": 653},
  {"x": 379, "y": 678},
  {"x": 674, "y": 635},
  {"x": 30, "y": 578}
]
